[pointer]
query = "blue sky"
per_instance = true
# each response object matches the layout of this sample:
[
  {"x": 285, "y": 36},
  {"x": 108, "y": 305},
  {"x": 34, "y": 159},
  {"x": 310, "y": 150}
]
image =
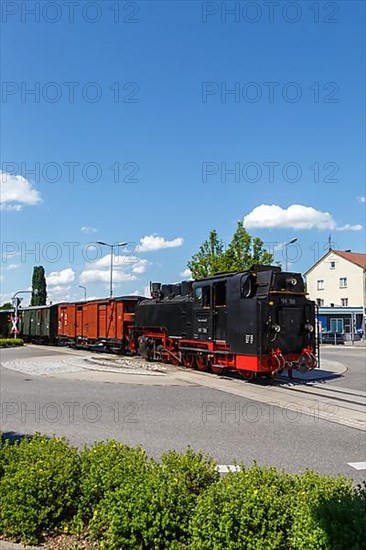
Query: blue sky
[{"x": 132, "y": 132}]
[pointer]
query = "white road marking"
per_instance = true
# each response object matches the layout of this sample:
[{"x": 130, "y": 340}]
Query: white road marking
[
  {"x": 357, "y": 465},
  {"x": 226, "y": 468}
]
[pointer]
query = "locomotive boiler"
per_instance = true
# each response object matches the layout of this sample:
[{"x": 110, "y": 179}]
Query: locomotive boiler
[{"x": 257, "y": 322}]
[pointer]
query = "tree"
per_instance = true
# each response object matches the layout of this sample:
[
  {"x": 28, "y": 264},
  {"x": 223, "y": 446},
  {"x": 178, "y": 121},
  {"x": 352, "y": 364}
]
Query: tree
[
  {"x": 242, "y": 252},
  {"x": 7, "y": 305},
  {"x": 208, "y": 260},
  {"x": 245, "y": 250},
  {"x": 39, "y": 284}
]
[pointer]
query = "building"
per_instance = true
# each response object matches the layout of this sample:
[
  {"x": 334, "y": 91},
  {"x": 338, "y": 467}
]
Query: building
[{"x": 337, "y": 283}]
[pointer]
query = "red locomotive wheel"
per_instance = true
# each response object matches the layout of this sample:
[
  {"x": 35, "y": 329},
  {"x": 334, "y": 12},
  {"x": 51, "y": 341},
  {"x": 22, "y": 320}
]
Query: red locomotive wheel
[
  {"x": 217, "y": 369},
  {"x": 188, "y": 360},
  {"x": 247, "y": 375},
  {"x": 202, "y": 362},
  {"x": 173, "y": 360}
]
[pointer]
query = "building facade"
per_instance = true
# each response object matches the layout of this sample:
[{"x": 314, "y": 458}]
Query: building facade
[{"x": 337, "y": 283}]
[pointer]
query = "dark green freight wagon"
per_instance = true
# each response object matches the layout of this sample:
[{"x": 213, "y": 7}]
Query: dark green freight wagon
[
  {"x": 38, "y": 322},
  {"x": 5, "y": 322}
]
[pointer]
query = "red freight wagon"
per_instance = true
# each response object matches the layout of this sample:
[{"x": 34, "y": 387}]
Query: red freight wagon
[{"x": 97, "y": 322}]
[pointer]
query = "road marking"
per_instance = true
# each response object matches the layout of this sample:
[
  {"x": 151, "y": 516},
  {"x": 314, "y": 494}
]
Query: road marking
[
  {"x": 226, "y": 468},
  {"x": 357, "y": 465}
]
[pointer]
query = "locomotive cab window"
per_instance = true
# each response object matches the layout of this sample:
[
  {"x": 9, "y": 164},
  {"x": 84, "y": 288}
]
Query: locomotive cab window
[
  {"x": 220, "y": 294},
  {"x": 202, "y": 296}
]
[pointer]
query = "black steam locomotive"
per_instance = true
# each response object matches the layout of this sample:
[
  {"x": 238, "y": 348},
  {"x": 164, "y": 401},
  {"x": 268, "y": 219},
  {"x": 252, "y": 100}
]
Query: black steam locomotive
[{"x": 257, "y": 322}]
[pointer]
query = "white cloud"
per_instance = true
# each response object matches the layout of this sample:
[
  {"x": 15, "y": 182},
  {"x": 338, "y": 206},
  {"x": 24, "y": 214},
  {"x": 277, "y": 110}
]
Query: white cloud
[
  {"x": 150, "y": 243},
  {"x": 296, "y": 216},
  {"x": 59, "y": 293},
  {"x": 118, "y": 261},
  {"x": 186, "y": 274},
  {"x": 16, "y": 192},
  {"x": 102, "y": 276},
  {"x": 61, "y": 277},
  {"x": 362, "y": 200},
  {"x": 12, "y": 266},
  {"x": 86, "y": 229},
  {"x": 147, "y": 292}
]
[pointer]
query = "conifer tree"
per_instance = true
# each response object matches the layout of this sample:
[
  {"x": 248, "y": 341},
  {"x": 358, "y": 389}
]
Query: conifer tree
[{"x": 39, "y": 286}]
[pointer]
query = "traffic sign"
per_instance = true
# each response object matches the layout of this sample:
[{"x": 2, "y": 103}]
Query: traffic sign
[{"x": 14, "y": 321}]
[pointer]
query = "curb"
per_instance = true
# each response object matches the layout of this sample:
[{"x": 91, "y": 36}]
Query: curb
[{"x": 4, "y": 545}]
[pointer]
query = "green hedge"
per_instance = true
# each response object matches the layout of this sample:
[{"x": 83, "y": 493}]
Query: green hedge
[
  {"x": 118, "y": 497},
  {"x": 10, "y": 342}
]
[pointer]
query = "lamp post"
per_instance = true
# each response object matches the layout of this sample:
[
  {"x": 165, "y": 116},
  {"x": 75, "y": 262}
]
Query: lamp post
[
  {"x": 84, "y": 287},
  {"x": 16, "y": 301},
  {"x": 112, "y": 247},
  {"x": 286, "y": 245}
]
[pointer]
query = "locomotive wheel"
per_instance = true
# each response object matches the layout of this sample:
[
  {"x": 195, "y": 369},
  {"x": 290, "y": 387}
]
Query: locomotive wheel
[
  {"x": 188, "y": 360},
  {"x": 248, "y": 375},
  {"x": 202, "y": 362},
  {"x": 216, "y": 369},
  {"x": 173, "y": 360}
]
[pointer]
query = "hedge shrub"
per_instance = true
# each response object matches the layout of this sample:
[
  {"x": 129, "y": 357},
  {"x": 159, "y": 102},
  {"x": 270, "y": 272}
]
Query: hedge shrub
[
  {"x": 10, "y": 342},
  {"x": 139, "y": 503},
  {"x": 329, "y": 514},
  {"x": 104, "y": 468},
  {"x": 38, "y": 488},
  {"x": 121, "y": 499},
  {"x": 249, "y": 509}
]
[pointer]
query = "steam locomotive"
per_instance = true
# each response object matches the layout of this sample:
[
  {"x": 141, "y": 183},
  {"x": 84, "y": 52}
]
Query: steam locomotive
[{"x": 256, "y": 322}]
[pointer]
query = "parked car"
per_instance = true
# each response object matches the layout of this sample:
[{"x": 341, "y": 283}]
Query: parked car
[{"x": 332, "y": 338}]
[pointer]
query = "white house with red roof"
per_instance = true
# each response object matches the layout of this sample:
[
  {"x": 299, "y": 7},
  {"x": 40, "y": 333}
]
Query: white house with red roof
[
  {"x": 338, "y": 279},
  {"x": 337, "y": 283}
]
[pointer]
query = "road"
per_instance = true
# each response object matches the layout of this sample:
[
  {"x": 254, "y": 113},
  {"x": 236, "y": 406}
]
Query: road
[
  {"x": 355, "y": 360},
  {"x": 232, "y": 420}
]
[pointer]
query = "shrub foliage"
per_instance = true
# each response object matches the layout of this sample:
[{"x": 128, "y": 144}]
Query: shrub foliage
[
  {"x": 118, "y": 497},
  {"x": 9, "y": 342},
  {"x": 38, "y": 487}
]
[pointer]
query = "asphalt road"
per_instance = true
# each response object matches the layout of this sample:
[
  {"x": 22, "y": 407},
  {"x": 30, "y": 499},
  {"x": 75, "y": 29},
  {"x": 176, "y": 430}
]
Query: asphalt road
[
  {"x": 162, "y": 416},
  {"x": 355, "y": 360}
]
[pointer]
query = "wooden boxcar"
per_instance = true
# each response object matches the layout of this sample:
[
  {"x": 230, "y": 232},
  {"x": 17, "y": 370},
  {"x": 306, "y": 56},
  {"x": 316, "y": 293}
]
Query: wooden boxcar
[{"x": 97, "y": 322}]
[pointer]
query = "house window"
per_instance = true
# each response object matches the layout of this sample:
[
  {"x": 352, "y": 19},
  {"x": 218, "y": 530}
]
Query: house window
[
  {"x": 320, "y": 302},
  {"x": 332, "y": 265},
  {"x": 343, "y": 282},
  {"x": 344, "y": 302},
  {"x": 336, "y": 325},
  {"x": 320, "y": 284}
]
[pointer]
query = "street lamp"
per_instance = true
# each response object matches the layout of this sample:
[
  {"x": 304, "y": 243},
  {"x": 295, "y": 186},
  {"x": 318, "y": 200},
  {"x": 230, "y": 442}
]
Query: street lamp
[
  {"x": 286, "y": 245},
  {"x": 112, "y": 247},
  {"x": 16, "y": 301},
  {"x": 84, "y": 287}
]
